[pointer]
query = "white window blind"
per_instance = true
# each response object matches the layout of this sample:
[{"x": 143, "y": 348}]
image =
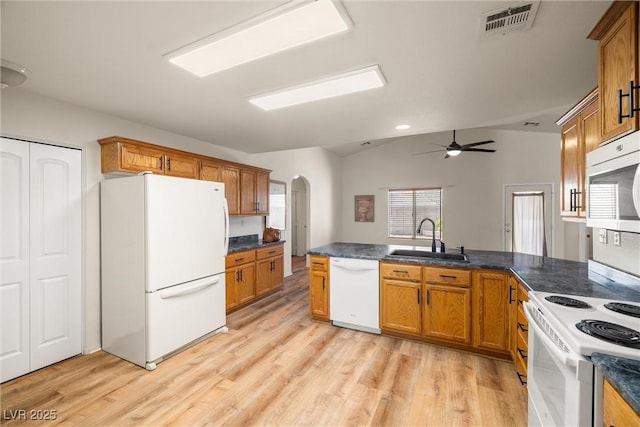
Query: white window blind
[
  {"x": 603, "y": 201},
  {"x": 408, "y": 207}
]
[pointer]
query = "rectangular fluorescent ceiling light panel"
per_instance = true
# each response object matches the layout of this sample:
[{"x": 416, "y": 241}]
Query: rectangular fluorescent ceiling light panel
[
  {"x": 292, "y": 24},
  {"x": 343, "y": 84}
]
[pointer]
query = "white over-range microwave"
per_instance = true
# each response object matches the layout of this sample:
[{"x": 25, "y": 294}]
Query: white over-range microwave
[{"x": 613, "y": 185}]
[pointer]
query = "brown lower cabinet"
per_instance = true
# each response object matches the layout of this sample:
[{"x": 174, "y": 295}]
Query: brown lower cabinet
[
  {"x": 428, "y": 302},
  {"x": 319, "y": 288},
  {"x": 519, "y": 329},
  {"x": 269, "y": 269},
  {"x": 616, "y": 412},
  {"x": 447, "y": 307},
  {"x": 470, "y": 309},
  {"x": 492, "y": 301},
  {"x": 252, "y": 274}
]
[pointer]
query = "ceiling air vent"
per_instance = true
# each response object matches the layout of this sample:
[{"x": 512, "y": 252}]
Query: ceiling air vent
[{"x": 517, "y": 17}]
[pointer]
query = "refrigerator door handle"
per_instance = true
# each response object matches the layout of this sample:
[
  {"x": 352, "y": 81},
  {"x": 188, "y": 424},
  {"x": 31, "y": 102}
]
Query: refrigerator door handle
[
  {"x": 225, "y": 209},
  {"x": 194, "y": 286}
]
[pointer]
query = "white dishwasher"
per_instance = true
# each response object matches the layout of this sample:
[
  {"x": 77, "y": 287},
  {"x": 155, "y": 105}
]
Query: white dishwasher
[{"x": 354, "y": 294}]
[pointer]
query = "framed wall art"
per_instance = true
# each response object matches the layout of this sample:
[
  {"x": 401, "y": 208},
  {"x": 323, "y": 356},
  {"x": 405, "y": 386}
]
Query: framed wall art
[{"x": 365, "y": 208}]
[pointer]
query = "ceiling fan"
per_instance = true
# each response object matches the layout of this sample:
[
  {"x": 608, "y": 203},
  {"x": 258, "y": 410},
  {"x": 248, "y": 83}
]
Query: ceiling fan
[{"x": 455, "y": 149}]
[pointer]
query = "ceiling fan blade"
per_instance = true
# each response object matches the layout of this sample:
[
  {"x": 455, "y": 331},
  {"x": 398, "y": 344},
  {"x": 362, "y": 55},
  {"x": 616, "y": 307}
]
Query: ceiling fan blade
[
  {"x": 480, "y": 150},
  {"x": 428, "y": 152},
  {"x": 473, "y": 144}
]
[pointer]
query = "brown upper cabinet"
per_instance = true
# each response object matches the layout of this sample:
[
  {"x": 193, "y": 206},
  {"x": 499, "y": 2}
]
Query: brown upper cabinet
[
  {"x": 617, "y": 35},
  {"x": 127, "y": 155},
  {"x": 254, "y": 189},
  {"x": 246, "y": 187},
  {"x": 580, "y": 134}
]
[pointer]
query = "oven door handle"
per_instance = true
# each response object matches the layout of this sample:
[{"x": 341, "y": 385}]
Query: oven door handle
[{"x": 568, "y": 358}]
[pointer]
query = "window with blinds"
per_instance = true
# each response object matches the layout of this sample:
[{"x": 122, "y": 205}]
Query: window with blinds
[{"x": 408, "y": 207}]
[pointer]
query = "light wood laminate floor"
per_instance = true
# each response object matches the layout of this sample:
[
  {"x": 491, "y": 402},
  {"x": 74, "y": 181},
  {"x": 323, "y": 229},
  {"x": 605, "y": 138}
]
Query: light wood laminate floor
[{"x": 278, "y": 367}]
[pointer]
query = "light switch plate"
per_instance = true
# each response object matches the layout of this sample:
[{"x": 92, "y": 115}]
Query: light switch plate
[
  {"x": 616, "y": 238},
  {"x": 603, "y": 236}
]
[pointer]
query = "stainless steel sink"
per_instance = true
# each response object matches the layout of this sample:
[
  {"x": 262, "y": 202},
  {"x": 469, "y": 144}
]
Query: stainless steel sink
[{"x": 413, "y": 253}]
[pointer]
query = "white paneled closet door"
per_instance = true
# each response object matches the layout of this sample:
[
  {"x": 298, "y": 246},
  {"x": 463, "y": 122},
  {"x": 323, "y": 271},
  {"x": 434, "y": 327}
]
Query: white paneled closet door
[
  {"x": 55, "y": 254},
  {"x": 14, "y": 259},
  {"x": 48, "y": 321}
]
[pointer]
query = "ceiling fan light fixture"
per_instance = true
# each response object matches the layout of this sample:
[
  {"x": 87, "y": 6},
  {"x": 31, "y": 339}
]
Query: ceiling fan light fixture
[
  {"x": 292, "y": 24},
  {"x": 12, "y": 74},
  {"x": 454, "y": 152}
]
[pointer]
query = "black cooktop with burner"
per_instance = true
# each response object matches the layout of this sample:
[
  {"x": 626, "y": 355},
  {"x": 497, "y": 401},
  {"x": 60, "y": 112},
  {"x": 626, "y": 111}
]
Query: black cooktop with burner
[
  {"x": 620, "y": 307},
  {"x": 610, "y": 332},
  {"x": 567, "y": 302}
]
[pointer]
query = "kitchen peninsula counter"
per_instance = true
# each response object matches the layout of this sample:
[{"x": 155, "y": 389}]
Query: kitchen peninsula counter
[{"x": 542, "y": 274}]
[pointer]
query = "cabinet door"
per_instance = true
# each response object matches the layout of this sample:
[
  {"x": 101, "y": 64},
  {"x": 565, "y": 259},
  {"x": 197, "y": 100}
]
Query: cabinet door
[
  {"x": 616, "y": 411},
  {"x": 262, "y": 193},
  {"x": 14, "y": 259},
  {"x": 210, "y": 171},
  {"x": 618, "y": 62},
  {"x": 247, "y": 283},
  {"x": 248, "y": 203},
  {"x": 591, "y": 137},
  {"x": 231, "y": 287},
  {"x": 134, "y": 158},
  {"x": 400, "y": 307},
  {"x": 277, "y": 273},
  {"x": 182, "y": 166},
  {"x": 447, "y": 313},
  {"x": 319, "y": 294},
  {"x": 263, "y": 276},
  {"x": 231, "y": 180},
  {"x": 491, "y": 311},
  {"x": 569, "y": 167}
]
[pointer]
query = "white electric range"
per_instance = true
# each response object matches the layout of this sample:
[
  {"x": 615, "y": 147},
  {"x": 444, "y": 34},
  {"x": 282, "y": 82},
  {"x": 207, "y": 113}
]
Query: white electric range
[{"x": 564, "y": 330}]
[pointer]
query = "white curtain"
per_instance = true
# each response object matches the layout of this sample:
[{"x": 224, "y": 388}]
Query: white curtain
[{"x": 528, "y": 224}]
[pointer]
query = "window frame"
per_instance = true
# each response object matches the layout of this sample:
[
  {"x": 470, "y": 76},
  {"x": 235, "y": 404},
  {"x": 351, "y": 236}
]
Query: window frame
[{"x": 414, "y": 217}]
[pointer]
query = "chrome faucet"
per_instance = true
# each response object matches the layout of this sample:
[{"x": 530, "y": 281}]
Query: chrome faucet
[{"x": 433, "y": 232}]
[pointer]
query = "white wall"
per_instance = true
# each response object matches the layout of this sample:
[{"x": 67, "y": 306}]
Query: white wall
[
  {"x": 28, "y": 116},
  {"x": 625, "y": 257},
  {"x": 473, "y": 196}
]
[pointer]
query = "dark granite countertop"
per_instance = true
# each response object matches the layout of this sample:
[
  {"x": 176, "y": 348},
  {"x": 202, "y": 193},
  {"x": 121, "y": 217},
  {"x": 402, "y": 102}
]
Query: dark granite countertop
[
  {"x": 623, "y": 374},
  {"x": 538, "y": 273},
  {"x": 251, "y": 241}
]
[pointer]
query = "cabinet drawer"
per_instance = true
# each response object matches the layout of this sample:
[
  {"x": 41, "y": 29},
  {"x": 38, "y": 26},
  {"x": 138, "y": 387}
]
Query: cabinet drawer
[
  {"x": 523, "y": 323},
  {"x": 449, "y": 276},
  {"x": 240, "y": 258},
  {"x": 269, "y": 252},
  {"x": 412, "y": 273},
  {"x": 319, "y": 263},
  {"x": 522, "y": 294},
  {"x": 521, "y": 369}
]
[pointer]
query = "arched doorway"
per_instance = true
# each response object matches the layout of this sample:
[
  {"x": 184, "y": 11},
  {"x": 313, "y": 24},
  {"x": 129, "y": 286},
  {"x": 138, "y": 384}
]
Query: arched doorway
[{"x": 299, "y": 216}]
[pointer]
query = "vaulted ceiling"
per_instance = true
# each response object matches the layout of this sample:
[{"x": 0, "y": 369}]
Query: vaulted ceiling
[{"x": 108, "y": 56}]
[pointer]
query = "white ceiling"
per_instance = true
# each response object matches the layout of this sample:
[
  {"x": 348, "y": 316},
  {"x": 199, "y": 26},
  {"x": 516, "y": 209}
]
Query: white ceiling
[{"x": 108, "y": 56}]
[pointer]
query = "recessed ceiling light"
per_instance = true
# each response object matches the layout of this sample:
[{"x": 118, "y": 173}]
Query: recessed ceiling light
[
  {"x": 342, "y": 84},
  {"x": 403, "y": 127},
  {"x": 292, "y": 24}
]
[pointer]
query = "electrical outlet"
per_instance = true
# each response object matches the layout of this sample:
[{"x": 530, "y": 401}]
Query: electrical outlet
[
  {"x": 603, "y": 236},
  {"x": 616, "y": 238}
]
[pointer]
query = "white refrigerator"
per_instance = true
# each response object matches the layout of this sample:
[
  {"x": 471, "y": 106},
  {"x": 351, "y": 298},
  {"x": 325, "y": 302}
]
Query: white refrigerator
[{"x": 163, "y": 246}]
